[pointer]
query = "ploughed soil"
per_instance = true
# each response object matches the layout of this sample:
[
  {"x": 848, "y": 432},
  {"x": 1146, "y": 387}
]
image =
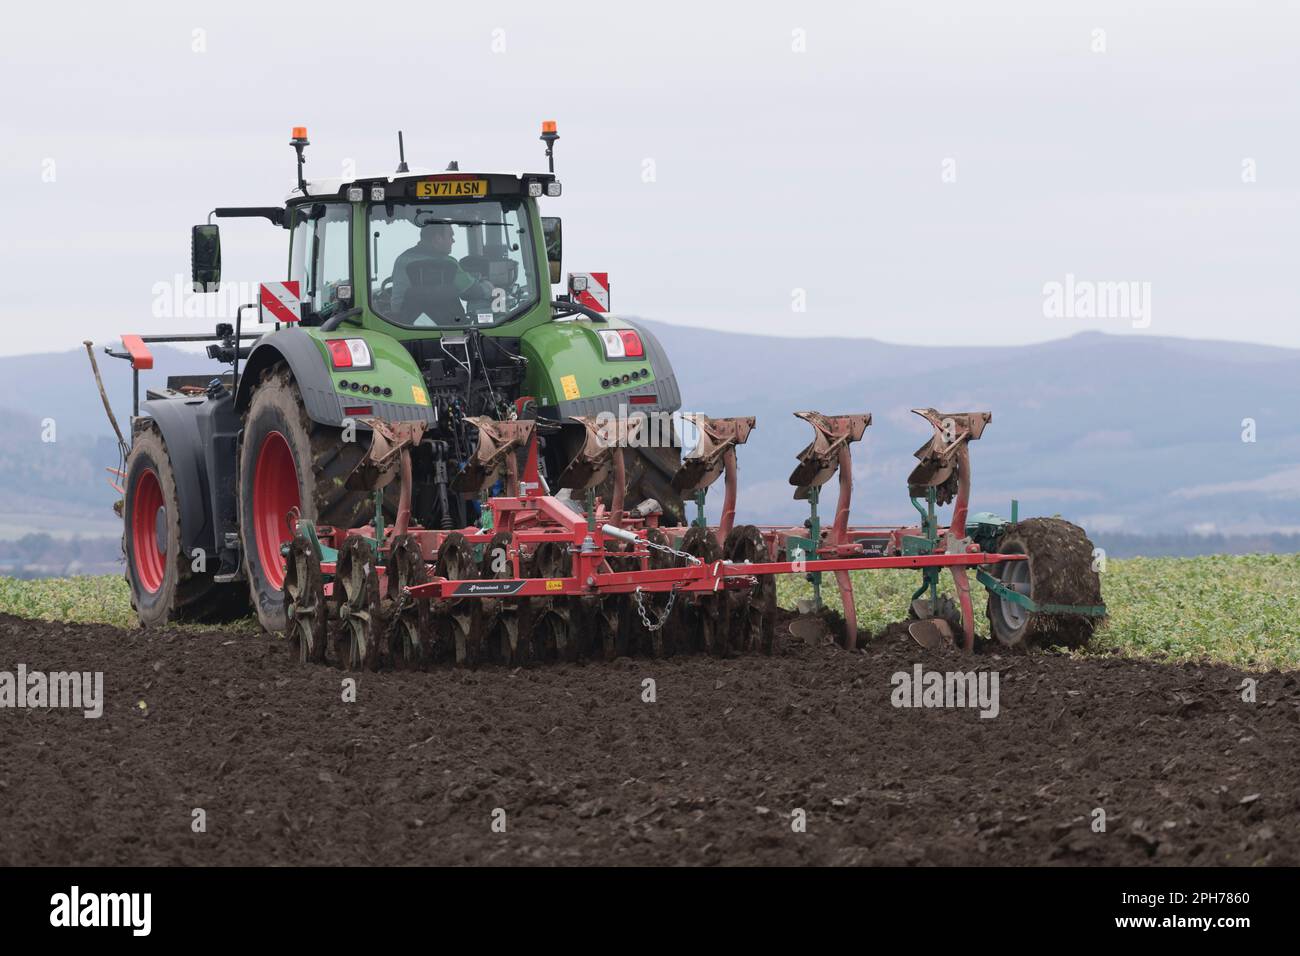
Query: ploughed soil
[{"x": 581, "y": 770}]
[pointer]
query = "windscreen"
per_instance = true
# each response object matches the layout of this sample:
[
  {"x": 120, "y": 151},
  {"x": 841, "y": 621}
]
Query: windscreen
[{"x": 451, "y": 264}]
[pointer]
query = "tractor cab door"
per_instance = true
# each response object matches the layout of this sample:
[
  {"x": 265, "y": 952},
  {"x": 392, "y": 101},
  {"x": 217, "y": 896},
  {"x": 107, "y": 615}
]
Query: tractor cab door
[{"x": 319, "y": 253}]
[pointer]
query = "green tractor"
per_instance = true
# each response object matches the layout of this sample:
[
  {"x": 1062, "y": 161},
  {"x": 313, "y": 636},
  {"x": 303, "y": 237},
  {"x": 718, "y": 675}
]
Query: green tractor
[{"x": 426, "y": 297}]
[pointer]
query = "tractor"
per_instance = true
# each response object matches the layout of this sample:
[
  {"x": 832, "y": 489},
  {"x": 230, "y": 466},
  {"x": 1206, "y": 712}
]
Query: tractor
[
  {"x": 427, "y": 452},
  {"x": 413, "y": 297}
]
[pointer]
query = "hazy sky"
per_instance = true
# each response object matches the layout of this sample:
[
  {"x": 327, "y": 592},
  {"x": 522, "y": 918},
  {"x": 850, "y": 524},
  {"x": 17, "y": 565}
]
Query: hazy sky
[{"x": 920, "y": 171}]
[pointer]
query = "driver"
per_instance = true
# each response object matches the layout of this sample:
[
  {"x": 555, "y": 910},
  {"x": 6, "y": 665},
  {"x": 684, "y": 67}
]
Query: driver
[{"x": 434, "y": 248}]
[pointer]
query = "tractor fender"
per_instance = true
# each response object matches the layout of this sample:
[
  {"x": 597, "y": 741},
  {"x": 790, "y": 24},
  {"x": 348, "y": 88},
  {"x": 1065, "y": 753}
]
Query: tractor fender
[
  {"x": 324, "y": 404},
  {"x": 177, "y": 421},
  {"x": 300, "y": 352},
  {"x": 562, "y": 350}
]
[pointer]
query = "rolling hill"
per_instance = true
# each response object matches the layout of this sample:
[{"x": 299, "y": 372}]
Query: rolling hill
[{"x": 1130, "y": 436}]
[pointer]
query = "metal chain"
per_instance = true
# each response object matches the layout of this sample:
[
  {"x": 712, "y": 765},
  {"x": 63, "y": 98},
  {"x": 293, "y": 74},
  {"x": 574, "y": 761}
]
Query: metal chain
[
  {"x": 692, "y": 559},
  {"x": 663, "y": 617}
]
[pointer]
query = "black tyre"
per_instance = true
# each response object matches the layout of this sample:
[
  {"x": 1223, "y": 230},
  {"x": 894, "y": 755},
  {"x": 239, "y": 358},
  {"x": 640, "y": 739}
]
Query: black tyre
[
  {"x": 1059, "y": 570},
  {"x": 648, "y": 473},
  {"x": 289, "y": 465},
  {"x": 164, "y": 585}
]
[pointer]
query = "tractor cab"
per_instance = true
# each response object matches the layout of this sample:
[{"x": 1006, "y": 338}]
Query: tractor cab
[{"x": 446, "y": 250}]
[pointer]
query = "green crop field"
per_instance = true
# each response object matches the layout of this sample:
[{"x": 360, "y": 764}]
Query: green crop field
[
  {"x": 100, "y": 599},
  {"x": 1243, "y": 611}
]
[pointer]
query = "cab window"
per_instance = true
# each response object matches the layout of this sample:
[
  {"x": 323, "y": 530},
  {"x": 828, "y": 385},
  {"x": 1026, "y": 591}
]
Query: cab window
[
  {"x": 320, "y": 252},
  {"x": 449, "y": 264}
]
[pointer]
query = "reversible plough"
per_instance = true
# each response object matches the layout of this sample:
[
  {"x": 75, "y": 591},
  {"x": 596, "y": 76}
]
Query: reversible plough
[{"x": 567, "y": 575}]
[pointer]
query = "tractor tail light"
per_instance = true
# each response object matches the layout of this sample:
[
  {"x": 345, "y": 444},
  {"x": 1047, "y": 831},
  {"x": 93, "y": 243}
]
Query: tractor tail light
[
  {"x": 621, "y": 344},
  {"x": 349, "y": 353},
  {"x": 632, "y": 346},
  {"x": 613, "y": 342},
  {"x": 340, "y": 355}
]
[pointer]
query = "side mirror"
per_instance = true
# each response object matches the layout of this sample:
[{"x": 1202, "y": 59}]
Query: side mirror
[
  {"x": 205, "y": 258},
  {"x": 554, "y": 245}
]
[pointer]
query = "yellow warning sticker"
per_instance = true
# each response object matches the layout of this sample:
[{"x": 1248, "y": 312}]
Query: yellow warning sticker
[
  {"x": 555, "y": 585},
  {"x": 418, "y": 396},
  {"x": 570, "y": 385}
]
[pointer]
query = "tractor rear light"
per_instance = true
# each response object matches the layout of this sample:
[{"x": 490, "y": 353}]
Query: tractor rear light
[
  {"x": 377, "y": 193},
  {"x": 553, "y": 189},
  {"x": 622, "y": 344},
  {"x": 356, "y": 194},
  {"x": 349, "y": 353},
  {"x": 643, "y": 399},
  {"x": 613, "y": 342},
  {"x": 534, "y": 188},
  {"x": 632, "y": 346},
  {"x": 356, "y": 410},
  {"x": 340, "y": 355}
]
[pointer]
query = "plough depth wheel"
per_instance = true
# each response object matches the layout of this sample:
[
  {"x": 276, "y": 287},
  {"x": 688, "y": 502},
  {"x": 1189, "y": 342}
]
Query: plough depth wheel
[{"x": 1059, "y": 572}]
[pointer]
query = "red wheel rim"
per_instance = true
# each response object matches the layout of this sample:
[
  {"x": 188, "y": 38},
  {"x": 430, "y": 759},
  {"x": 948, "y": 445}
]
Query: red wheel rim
[
  {"x": 148, "y": 559},
  {"x": 275, "y": 494}
]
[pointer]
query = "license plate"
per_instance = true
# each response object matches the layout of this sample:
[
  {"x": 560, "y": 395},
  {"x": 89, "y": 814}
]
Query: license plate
[{"x": 450, "y": 188}]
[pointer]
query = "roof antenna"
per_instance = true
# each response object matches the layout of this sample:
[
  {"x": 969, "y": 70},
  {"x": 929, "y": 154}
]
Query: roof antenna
[
  {"x": 453, "y": 166},
  {"x": 401, "y": 154}
]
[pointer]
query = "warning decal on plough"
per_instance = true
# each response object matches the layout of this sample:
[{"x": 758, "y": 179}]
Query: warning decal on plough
[{"x": 279, "y": 302}]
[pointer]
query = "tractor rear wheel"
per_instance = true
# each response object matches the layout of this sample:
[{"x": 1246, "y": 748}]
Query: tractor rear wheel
[
  {"x": 164, "y": 585},
  {"x": 289, "y": 467},
  {"x": 1059, "y": 570}
]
